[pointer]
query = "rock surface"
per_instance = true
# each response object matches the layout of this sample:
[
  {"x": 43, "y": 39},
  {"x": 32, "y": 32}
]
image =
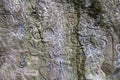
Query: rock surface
[{"x": 59, "y": 40}]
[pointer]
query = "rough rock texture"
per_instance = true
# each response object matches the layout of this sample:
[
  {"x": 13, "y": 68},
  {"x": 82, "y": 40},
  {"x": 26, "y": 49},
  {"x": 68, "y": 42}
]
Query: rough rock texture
[{"x": 59, "y": 40}]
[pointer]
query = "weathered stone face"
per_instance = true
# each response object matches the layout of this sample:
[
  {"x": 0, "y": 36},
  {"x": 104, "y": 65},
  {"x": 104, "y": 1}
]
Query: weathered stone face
[{"x": 59, "y": 40}]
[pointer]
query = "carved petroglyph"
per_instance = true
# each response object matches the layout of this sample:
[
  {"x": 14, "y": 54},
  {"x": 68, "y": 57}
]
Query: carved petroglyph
[
  {"x": 101, "y": 43},
  {"x": 118, "y": 59},
  {"x": 118, "y": 48},
  {"x": 94, "y": 43}
]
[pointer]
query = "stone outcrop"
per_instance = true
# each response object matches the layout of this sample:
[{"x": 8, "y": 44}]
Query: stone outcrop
[{"x": 59, "y": 40}]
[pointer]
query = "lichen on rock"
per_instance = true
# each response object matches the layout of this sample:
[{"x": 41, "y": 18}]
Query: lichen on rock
[{"x": 59, "y": 40}]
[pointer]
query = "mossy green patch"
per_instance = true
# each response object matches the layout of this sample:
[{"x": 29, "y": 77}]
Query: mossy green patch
[
  {"x": 95, "y": 8},
  {"x": 95, "y": 11}
]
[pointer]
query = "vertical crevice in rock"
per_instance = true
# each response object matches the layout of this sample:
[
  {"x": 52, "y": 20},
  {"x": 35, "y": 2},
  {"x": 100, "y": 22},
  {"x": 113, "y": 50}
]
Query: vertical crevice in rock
[{"x": 80, "y": 55}]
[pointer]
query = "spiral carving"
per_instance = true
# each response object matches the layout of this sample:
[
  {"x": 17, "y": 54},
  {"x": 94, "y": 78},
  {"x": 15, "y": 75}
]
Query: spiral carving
[
  {"x": 118, "y": 48},
  {"x": 101, "y": 43}
]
